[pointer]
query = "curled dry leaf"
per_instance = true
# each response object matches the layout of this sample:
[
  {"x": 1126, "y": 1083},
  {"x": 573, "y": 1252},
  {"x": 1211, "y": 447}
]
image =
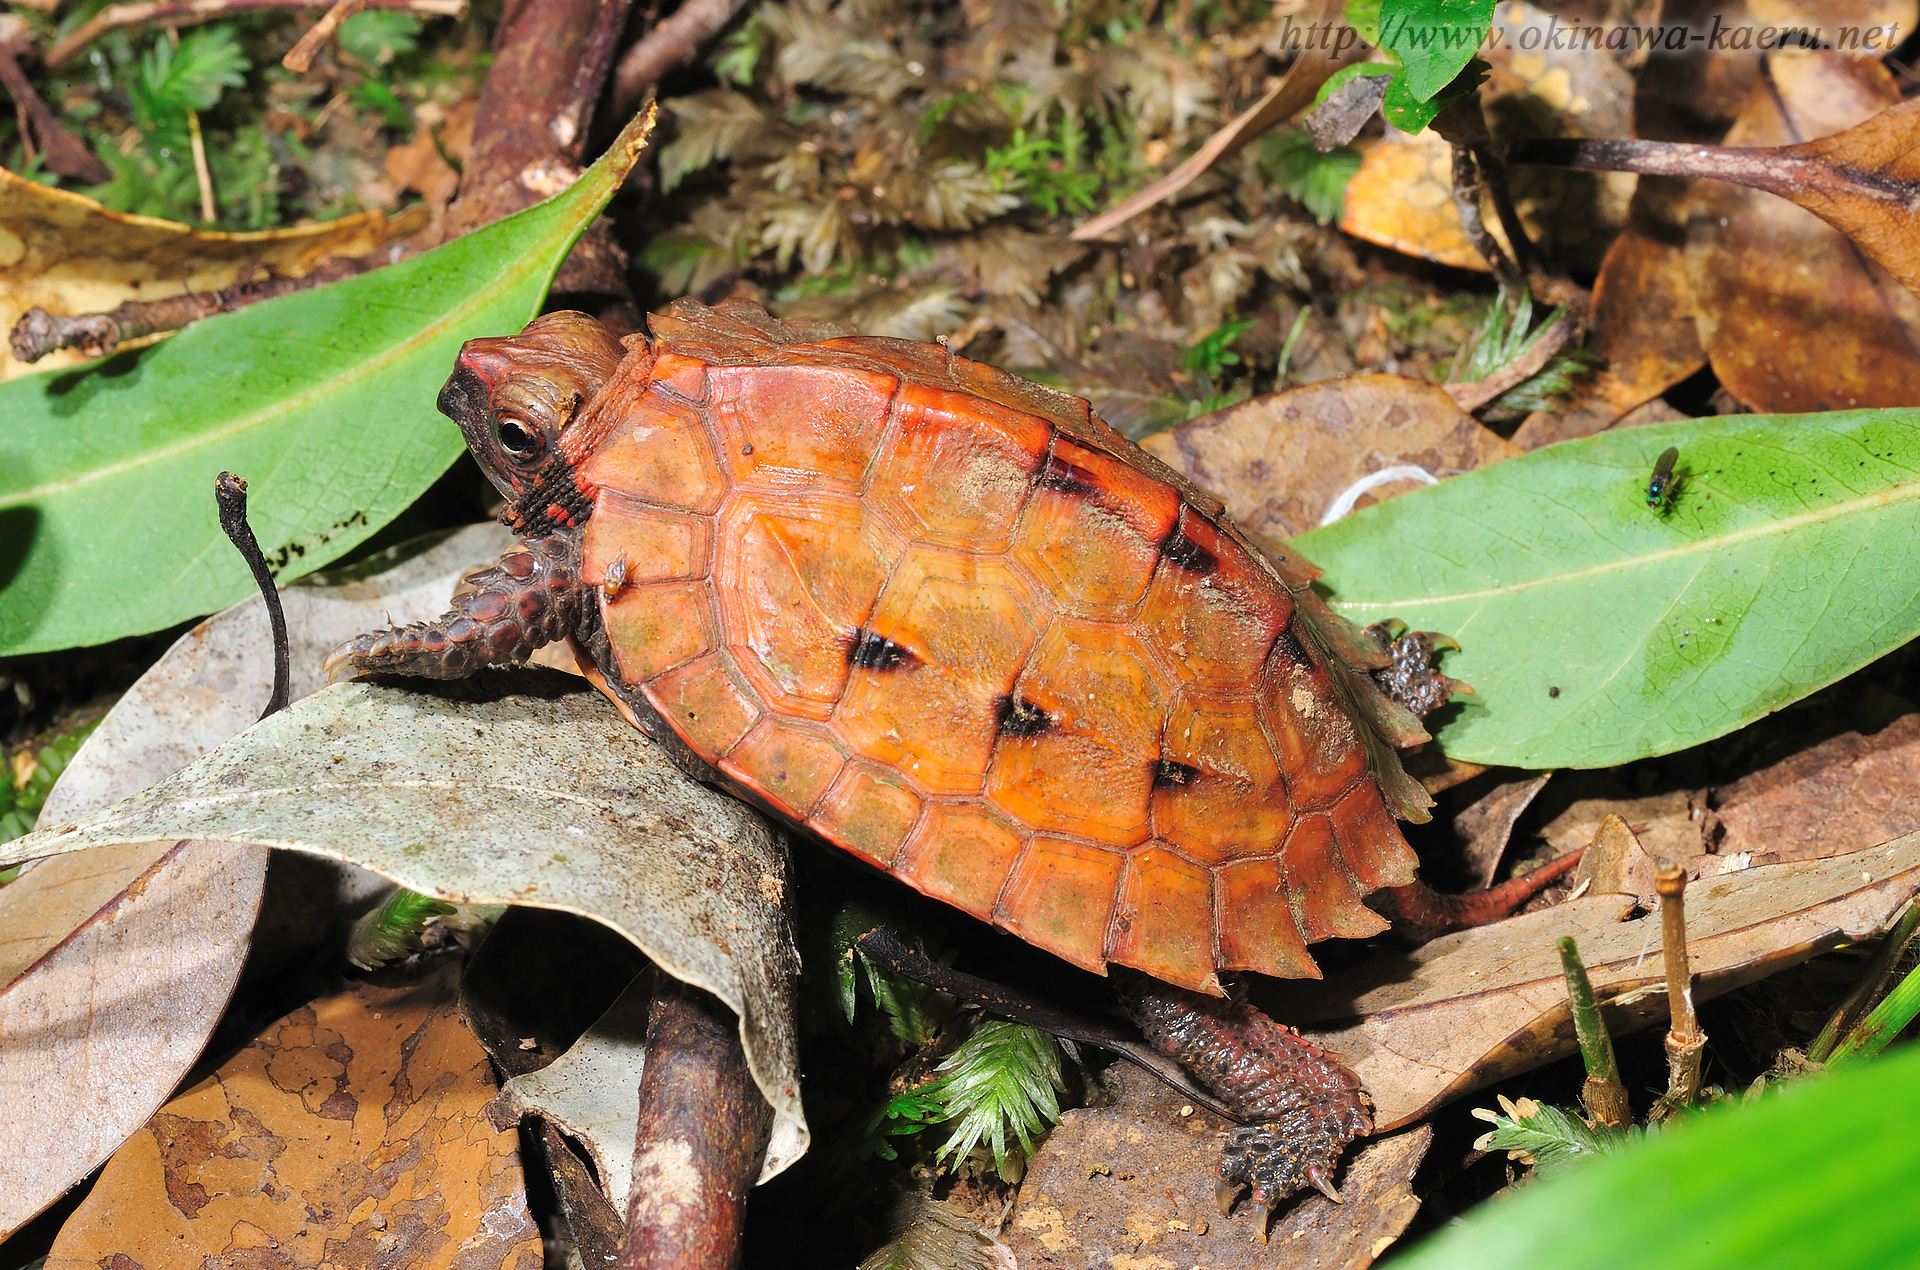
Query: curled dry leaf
[
  {"x": 1837, "y": 796},
  {"x": 1280, "y": 461},
  {"x": 167, "y": 922},
  {"x": 1135, "y": 1173},
  {"x": 1792, "y": 315},
  {"x": 593, "y": 1090},
  {"x": 69, "y": 255},
  {"x": 1480, "y": 1005},
  {"x": 1486, "y": 824},
  {"x": 512, "y": 788},
  {"x": 352, "y": 1132}
]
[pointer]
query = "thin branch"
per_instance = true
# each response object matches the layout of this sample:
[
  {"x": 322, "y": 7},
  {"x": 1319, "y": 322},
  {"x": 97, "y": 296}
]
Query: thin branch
[
  {"x": 39, "y": 332},
  {"x": 230, "y": 495},
  {"x": 1605, "y": 1097},
  {"x": 300, "y": 57},
  {"x": 1472, "y": 396},
  {"x": 1494, "y": 174},
  {"x": 66, "y": 153},
  {"x": 569, "y": 125},
  {"x": 190, "y": 12},
  {"x": 674, "y": 42},
  {"x": 1466, "y": 199}
]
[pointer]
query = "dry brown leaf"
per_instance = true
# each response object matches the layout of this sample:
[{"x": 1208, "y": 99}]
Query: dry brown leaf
[
  {"x": 1480, "y": 1005},
  {"x": 114, "y": 968},
  {"x": 1834, "y": 797},
  {"x": 1486, "y": 824},
  {"x": 69, "y": 255},
  {"x": 509, "y": 788},
  {"x": 1642, "y": 325},
  {"x": 1280, "y": 461},
  {"x": 1130, "y": 1184},
  {"x": 350, "y": 1133},
  {"x": 1790, "y": 314},
  {"x": 1402, "y": 197},
  {"x": 168, "y": 921},
  {"x": 1616, "y": 864}
]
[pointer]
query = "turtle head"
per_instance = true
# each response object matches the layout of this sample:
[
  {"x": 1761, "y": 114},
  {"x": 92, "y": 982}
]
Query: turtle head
[{"x": 514, "y": 396}]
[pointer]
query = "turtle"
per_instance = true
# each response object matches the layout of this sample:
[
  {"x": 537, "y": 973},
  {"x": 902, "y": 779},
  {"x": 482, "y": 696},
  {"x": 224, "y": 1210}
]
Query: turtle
[{"x": 951, "y": 622}]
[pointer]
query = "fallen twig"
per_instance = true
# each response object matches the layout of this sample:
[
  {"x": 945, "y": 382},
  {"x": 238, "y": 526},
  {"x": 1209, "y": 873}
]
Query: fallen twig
[
  {"x": 39, "y": 332},
  {"x": 672, "y": 43},
  {"x": 308, "y": 46},
  {"x": 1472, "y": 396},
  {"x": 569, "y": 124},
  {"x": 230, "y": 495},
  {"x": 66, "y": 154},
  {"x": 188, "y": 12},
  {"x": 703, "y": 1133}
]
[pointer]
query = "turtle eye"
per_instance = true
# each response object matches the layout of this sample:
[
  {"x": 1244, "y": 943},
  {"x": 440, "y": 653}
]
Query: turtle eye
[{"x": 520, "y": 442}]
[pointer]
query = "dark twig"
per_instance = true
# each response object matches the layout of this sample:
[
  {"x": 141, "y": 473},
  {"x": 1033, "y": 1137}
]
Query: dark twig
[
  {"x": 39, "y": 332},
  {"x": 674, "y": 42},
  {"x": 1419, "y": 912},
  {"x": 1493, "y": 173},
  {"x": 1605, "y": 1097},
  {"x": 230, "y": 495},
  {"x": 66, "y": 153},
  {"x": 881, "y": 946},
  {"x": 1466, "y": 199},
  {"x": 704, "y": 1128},
  {"x": 1685, "y": 1040},
  {"x": 1475, "y": 168},
  {"x": 179, "y": 13},
  {"x": 569, "y": 125},
  {"x": 1872, "y": 980}
]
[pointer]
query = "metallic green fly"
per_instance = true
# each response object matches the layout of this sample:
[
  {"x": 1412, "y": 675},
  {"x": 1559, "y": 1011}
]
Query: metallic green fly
[{"x": 1660, "y": 485}]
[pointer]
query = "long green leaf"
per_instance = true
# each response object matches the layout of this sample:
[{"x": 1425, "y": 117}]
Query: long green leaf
[
  {"x": 322, "y": 400},
  {"x": 1597, "y": 630},
  {"x": 1823, "y": 1174}
]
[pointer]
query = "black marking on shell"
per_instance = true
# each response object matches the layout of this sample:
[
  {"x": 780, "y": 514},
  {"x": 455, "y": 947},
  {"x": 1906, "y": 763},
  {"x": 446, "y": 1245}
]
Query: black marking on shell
[
  {"x": 871, "y": 651},
  {"x": 1018, "y": 717},
  {"x": 1058, "y": 474},
  {"x": 1169, "y": 773},
  {"x": 1188, "y": 554},
  {"x": 1289, "y": 646}
]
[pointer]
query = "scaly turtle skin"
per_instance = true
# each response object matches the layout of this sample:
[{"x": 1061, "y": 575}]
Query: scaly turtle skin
[{"x": 953, "y": 623}]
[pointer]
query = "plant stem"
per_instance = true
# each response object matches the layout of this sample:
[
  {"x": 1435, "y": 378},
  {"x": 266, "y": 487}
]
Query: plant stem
[
  {"x": 1887, "y": 1021},
  {"x": 300, "y": 57},
  {"x": 1872, "y": 979},
  {"x": 230, "y": 495},
  {"x": 1685, "y": 1041},
  {"x": 188, "y": 12},
  {"x": 1605, "y": 1097}
]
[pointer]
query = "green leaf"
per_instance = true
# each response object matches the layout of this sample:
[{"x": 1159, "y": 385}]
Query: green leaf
[
  {"x": 1340, "y": 78},
  {"x": 1434, "y": 40},
  {"x": 1822, "y": 1174},
  {"x": 376, "y": 36},
  {"x": 1410, "y": 114},
  {"x": 1596, "y": 630},
  {"x": 322, "y": 400},
  {"x": 1364, "y": 17},
  {"x": 1316, "y": 181},
  {"x": 190, "y": 77},
  {"x": 1006, "y": 1076},
  {"x": 1549, "y": 1137}
]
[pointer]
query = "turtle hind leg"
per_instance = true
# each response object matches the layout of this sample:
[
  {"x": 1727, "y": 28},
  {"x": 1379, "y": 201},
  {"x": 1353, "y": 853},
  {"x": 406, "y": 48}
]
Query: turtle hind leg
[
  {"x": 531, "y": 596},
  {"x": 1301, "y": 1103}
]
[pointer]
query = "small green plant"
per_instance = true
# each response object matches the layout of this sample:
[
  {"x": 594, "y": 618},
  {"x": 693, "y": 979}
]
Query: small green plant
[
  {"x": 1046, "y": 168},
  {"x": 374, "y": 37},
  {"x": 1213, "y": 352},
  {"x": 1506, "y": 334},
  {"x": 1004, "y": 1079},
  {"x": 1548, "y": 1138},
  {"x": 738, "y": 58},
  {"x": 394, "y": 929},
  {"x": 172, "y": 81},
  {"x": 29, "y": 778},
  {"x": 1316, "y": 181}
]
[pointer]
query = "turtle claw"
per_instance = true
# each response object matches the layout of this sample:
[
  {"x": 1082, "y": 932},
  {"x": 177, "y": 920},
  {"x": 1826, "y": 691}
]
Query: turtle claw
[
  {"x": 1318, "y": 1179},
  {"x": 1224, "y": 1193},
  {"x": 1262, "y": 1215}
]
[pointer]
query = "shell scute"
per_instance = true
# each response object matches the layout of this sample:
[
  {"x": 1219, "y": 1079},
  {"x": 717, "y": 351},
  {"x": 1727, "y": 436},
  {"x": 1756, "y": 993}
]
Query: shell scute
[
  {"x": 1061, "y": 897},
  {"x": 1325, "y": 897},
  {"x": 1320, "y": 751},
  {"x": 954, "y": 469},
  {"x": 658, "y": 452},
  {"x": 967, "y": 625},
  {"x": 804, "y": 577},
  {"x": 1092, "y": 530},
  {"x": 960, "y": 854},
  {"x": 869, "y": 810},
  {"x": 798, "y": 427},
  {"x": 788, "y": 763},
  {"x": 1089, "y": 768},
  {"x": 629, "y": 543},
  {"x": 657, "y": 626},
  {"x": 1371, "y": 842},
  {"x": 1258, "y": 931},
  {"x": 705, "y": 704},
  {"x": 1213, "y": 607},
  {"x": 1164, "y": 922}
]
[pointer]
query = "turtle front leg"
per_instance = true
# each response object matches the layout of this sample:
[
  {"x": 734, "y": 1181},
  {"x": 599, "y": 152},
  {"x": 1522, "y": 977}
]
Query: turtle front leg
[
  {"x": 1301, "y": 1103},
  {"x": 532, "y": 596}
]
